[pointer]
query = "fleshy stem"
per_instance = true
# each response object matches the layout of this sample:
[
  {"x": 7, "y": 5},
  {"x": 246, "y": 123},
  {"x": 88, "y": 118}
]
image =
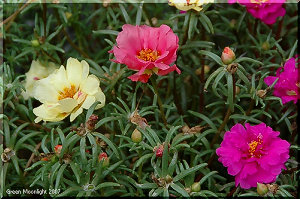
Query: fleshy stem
[
  {"x": 228, "y": 113},
  {"x": 161, "y": 108},
  {"x": 220, "y": 129}
]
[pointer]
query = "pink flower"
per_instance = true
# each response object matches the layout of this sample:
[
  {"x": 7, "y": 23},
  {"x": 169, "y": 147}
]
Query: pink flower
[
  {"x": 265, "y": 10},
  {"x": 147, "y": 50},
  {"x": 288, "y": 85},
  {"x": 253, "y": 155}
]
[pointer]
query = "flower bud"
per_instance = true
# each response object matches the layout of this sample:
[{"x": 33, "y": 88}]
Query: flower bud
[
  {"x": 44, "y": 159},
  {"x": 196, "y": 187},
  {"x": 68, "y": 15},
  {"x": 159, "y": 151},
  {"x": 136, "y": 136},
  {"x": 57, "y": 149},
  {"x": 198, "y": 71},
  {"x": 237, "y": 90},
  {"x": 35, "y": 43},
  {"x": 232, "y": 23},
  {"x": 265, "y": 46},
  {"x": 261, "y": 93},
  {"x": 228, "y": 56},
  {"x": 103, "y": 157},
  {"x": 262, "y": 189},
  {"x": 168, "y": 179}
]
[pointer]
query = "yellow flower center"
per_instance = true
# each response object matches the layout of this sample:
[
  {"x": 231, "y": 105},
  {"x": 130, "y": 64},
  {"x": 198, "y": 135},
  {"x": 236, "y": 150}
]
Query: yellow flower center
[
  {"x": 258, "y": 1},
  {"x": 67, "y": 92},
  {"x": 253, "y": 146},
  {"x": 291, "y": 92},
  {"x": 148, "y": 55},
  {"x": 298, "y": 84}
]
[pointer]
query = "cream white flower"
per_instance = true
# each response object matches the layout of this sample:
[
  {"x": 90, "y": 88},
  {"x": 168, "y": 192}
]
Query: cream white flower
[
  {"x": 189, "y": 4},
  {"x": 67, "y": 92},
  {"x": 36, "y": 72}
]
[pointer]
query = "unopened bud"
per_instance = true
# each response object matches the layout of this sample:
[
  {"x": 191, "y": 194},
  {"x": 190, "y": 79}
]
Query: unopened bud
[
  {"x": 265, "y": 46},
  {"x": 232, "y": 23},
  {"x": 228, "y": 56},
  {"x": 68, "y": 15},
  {"x": 154, "y": 20},
  {"x": 262, "y": 189},
  {"x": 198, "y": 71},
  {"x": 57, "y": 149},
  {"x": 237, "y": 90},
  {"x": 136, "y": 136},
  {"x": 168, "y": 179},
  {"x": 159, "y": 151},
  {"x": 196, "y": 187},
  {"x": 45, "y": 159},
  {"x": 261, "y": 93},
  {"x": 103, "y": 157},
  {"x": 35, "y": 43}
]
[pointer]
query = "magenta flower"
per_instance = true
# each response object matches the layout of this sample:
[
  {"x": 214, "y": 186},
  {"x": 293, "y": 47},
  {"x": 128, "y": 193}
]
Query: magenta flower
[
  {"x": 255, "y": 154},
  {"x": 146, "y": 50},
  {"x": 265, "y": 10},
  {"x": 288, "y": 85}
]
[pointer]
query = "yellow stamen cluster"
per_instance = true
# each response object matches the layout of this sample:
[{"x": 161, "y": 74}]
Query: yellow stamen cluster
[
  {"x": 67, "y": 92},
  {"x": 258, "y": 1},
  {"x": 148, "y": 55},
  {"x": 253, "y": 145}
]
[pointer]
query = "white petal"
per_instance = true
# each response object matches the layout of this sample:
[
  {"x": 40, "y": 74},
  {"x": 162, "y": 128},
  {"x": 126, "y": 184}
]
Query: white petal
[
  {"x": 67, "y": 104},
  {"x": 44, "y": 92},
  {"x": 74, "y": 71},
  {"x": 90, "y": 85},
  {"x": 75, "y": 114},
  {"x": 85, "y": 69},
  {"x": 100, "y": 97},
  {"x": 59, "y": 79},
  {"x": 47, "y": 113},
  {"x": 89, "y": 100}
]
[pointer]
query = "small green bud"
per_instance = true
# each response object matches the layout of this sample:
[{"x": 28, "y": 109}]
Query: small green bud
[
  {"x": 168, "y": 179},
  {"x": 196, "y": 187},
  {"x": 136, "y": 136},
  {"x": 262, "y": 189},
  {"x": 237, "y": 90},
  {"x": 35, "y": 43},
  {"x": 265, "y": 46}
]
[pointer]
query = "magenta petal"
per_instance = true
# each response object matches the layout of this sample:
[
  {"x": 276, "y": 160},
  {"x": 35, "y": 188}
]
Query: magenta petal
[{"x": 270, "y": 80}]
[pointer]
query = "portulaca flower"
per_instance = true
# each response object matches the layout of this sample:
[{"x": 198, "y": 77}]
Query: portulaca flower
[
  {"x": 36, "y": 72},
  {"x": 67, "y": 92}
]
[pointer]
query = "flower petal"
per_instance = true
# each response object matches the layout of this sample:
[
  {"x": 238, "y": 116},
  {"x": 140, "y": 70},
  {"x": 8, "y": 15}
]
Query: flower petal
[
  {"x": 74, "y": 71},
  {"x": 90, "y": 85}
]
